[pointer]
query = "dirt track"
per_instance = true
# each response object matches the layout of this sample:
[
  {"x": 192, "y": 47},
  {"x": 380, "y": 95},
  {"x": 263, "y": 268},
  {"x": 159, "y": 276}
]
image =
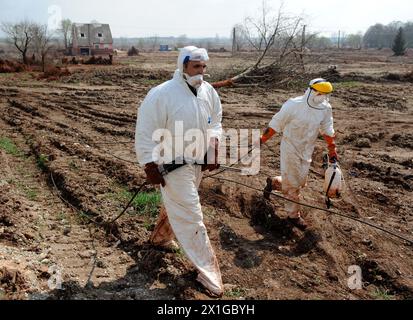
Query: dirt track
[{"x": 73, "y": 136}]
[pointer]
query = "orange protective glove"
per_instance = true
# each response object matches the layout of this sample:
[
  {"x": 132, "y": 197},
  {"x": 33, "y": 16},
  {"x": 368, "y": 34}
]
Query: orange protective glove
[
  {"x": 331, "y": 145},
  {"x": 268, "y": 133}
]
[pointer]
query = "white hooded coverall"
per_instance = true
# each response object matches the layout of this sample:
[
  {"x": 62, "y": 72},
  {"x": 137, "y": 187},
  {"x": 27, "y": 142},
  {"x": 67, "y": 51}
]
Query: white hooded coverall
[
  {"x": 300, "y": 125},
  {"x": 165, "y": 105}
]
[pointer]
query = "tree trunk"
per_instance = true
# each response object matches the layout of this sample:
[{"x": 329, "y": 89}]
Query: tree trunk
[{"x": 43, "y": 62}]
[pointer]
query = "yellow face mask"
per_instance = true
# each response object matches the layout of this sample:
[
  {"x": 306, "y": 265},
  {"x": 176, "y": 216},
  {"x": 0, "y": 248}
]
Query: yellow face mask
[{"x": 322, "y": 86}]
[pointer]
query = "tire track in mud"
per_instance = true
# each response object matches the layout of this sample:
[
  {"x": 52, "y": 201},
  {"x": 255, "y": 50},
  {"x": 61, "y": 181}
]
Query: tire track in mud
[
  {"x": 123, "y": 173},
  {"x": 121, "y": 133},
  {"x": 367, "y": 97},
  {"x": 34, "y": 111},
  {"x": 15, "y": 117},
  {"x": 20, "y": 120},
  {"x": 83, "y": 111}
]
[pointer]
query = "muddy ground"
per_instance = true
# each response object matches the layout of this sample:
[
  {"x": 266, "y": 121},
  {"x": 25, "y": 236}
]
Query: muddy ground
[{"x": 68, "y": 166}]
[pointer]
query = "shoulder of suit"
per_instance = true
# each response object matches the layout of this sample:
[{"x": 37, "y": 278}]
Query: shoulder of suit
[
  {"x": 290, "y": 103},
  {"x": 210, "y": 89},
  {"x": 162, "y": 89},
  {"x": 328, "y": 106},
  {"x": 208, "y": 85}
]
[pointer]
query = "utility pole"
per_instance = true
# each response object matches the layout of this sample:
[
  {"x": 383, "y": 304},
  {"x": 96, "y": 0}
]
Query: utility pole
[
  {"x": 303, "y": 38},
  {"x": 338, "y": 40},
  {"x": 234, "y": 41}
]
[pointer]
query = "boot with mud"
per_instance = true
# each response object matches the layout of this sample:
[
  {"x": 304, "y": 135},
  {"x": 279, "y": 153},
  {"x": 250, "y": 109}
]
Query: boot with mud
[
  {"x": 163, "y": 235},
  {"x": 272, "y": 184},
  {"x": 171, "y": 245},
  {"x": 268, "y": 188},
  {"x": 298, "y": 222},
  {"x": 210, "y": 289}
]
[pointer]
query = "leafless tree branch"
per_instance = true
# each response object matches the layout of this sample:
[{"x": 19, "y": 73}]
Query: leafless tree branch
[{"x": 20, "y": 35}]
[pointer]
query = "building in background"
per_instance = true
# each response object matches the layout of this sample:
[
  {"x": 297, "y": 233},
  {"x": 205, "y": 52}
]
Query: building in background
[
  {"x": 91, "y": 39},
  {"x": 164, "y": 47}
]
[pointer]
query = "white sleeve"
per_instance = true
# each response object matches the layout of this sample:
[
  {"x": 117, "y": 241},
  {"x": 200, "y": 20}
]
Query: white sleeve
[
  {"x": 327, "y": 125},
  {"x": 215, "y": 130},
  {"x": 152, "y": 115},
  {"x": 280, "y": 119}
]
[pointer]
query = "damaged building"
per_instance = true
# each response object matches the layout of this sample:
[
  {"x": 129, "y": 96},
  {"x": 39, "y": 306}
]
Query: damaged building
[{"x": 91, "y": 39}]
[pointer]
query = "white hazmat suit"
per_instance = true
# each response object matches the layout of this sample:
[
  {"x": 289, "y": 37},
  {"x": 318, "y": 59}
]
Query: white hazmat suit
[
  {"x": 173, "y": 106},
  {"x": 300, "y": 125}
]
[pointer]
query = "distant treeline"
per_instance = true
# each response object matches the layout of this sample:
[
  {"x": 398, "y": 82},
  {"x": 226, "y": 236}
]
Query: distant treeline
[
  {"x": 382, "y": 36},
  {"x": 377, "y": 36}
]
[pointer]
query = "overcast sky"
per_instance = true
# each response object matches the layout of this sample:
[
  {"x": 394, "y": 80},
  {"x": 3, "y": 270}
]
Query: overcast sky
[{"x": 205, "y": 18}]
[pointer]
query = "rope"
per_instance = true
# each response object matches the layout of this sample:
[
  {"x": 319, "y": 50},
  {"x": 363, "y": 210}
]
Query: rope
[
  {"x": 133, "y": 162},
  {"x": 244, "y": 156},
  {"x": 129, "y": 203},
  {"x": 89, "y": 283}
]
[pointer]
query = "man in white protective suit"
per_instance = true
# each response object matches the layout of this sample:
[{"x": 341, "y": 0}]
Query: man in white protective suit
[
  {"x": 300, "y": 120},
  {"x": 179, "y": 110}
]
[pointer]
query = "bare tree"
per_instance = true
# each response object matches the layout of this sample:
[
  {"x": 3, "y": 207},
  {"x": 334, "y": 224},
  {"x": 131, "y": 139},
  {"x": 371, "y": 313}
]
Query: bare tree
[
  {"x": 258, "y": 31},
  {"x": 42, "y": 42},
  {"x": 275, "y": 37},
  {"x": 354, "y": 41},
  {"x": 20, "y": 35},
  {"x": 181, "y": 41},
  {"x": 319, "y": 42},
  {"x": 141, "y": 44},
  {"x": 66, "y": 31},
  {"x": 238, "y": 37}
]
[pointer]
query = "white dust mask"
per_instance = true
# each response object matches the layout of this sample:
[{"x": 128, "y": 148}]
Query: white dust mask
[
  {"x": 319, "y": 99},
  {"x": 194, "y": 81}
]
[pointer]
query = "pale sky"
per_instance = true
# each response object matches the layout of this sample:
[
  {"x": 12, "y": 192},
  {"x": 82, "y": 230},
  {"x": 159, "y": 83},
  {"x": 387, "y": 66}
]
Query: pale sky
[{"x": 206, "y": 18}]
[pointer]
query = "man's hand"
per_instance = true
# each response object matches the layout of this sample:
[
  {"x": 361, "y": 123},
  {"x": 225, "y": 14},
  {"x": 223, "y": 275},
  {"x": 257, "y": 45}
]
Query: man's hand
[
  {"x": 211, "y": 157},
  {"x": 153, "y": 176},
  {"x": 332, "y": 151},
  {"x": 267, "y": 134}
]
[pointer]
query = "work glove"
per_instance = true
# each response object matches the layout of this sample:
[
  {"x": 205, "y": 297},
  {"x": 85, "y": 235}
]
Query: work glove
[
  {"x": 211, "y": 157},
  {"x": 153, "y": 176},
  {"x": 332, "y": 151},
  {"x": 267, "y": 134}
]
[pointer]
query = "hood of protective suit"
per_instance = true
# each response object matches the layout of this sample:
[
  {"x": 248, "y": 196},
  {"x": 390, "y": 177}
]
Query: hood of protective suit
[{"x": 191, "y": 53}]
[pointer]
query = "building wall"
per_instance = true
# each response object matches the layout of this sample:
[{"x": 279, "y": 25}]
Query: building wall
[{"x": 96, "y": 37}]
